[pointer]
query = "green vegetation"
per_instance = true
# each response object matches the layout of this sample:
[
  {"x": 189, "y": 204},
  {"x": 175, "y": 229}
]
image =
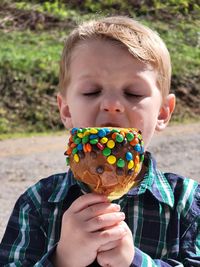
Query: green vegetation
[
  {"x": 39, "y": 53},
  {"x": 32, "y": 35},
  {"x": 29, "y": 51},
  {"x": 62, "y": 8}
]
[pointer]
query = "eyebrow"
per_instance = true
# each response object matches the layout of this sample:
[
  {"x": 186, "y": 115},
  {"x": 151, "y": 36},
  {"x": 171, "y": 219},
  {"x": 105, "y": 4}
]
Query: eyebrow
[{"x": 89, "y": 76}]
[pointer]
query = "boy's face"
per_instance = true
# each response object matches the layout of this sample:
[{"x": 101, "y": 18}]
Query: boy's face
[{"x": 109, "y": 87}]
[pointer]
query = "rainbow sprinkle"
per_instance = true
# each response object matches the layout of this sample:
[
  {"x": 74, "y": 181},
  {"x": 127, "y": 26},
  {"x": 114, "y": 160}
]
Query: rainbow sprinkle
[{"x": 108, "y": 141}]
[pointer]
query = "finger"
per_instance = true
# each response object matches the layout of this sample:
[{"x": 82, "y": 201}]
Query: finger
[
  {"x": 110, "y": 258},
  {"x": 87, "y": 200},
  {"x": 109, "y": 245},
  {"x": 105, "y": 221},
  {"x": 98, "y": 209},
  {"x": 104, "y": 258},
  {"x": 116, "y": 257},
  {"x": 111, "y": 234}
]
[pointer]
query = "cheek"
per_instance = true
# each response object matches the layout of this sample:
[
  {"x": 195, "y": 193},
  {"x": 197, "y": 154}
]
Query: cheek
[
  {"x": 148, "y": 132},
  {"x": 77, "y": 105},
  {"x": 144, "y": 117},
  {"x": 83, "y": 116}
]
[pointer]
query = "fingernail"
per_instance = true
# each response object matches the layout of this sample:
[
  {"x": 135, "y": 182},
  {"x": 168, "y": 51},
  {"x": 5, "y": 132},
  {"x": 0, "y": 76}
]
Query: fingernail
[
  {"x": 117, "y": 207},
  {"x": 122, "y": 215}
]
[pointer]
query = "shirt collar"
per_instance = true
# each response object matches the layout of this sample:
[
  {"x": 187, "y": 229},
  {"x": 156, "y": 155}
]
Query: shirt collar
[
  {"x": 154, "y": 181},
  {"x": 63, "y": 185}
]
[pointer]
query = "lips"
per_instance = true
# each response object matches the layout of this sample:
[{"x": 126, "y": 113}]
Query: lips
[{"x": 110, "y": 124}]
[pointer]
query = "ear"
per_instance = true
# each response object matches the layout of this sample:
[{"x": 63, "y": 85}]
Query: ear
[
  {"x": 166, "y": 111},
  {"x": 64, "y": 111}
]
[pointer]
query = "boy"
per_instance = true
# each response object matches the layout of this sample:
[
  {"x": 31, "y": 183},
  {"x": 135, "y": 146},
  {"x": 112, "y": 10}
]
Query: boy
[{"x": 114, "y": 72}]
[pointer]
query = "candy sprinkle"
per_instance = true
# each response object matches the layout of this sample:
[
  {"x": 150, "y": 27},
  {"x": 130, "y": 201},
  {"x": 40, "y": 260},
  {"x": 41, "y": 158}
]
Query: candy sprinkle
[
  {"x": 120, "y": 163},
  {"x": 111, "y": 159},
  {"x": 76, "y": 158},
  {"x": 106, "y": 151},
  {"x": 130, "y": 136},
  {"x": 119, "y": 138},
  {"x": 102, "y": 133},
  {"x": 93, "y": 131},
  {"x": 100, "y": 169},
  {"x": 104, "y": 140},
  {"x": 110, "y": 142},
  {"x": 129, "y": 156},
  {"x": 130, "y": 164}
]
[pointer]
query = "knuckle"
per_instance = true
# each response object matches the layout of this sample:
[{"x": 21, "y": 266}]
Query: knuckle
[
  {"x": 99, "y": 220},
  {"x": 92, "y": 209},
  {"x": 106, "y": 235}
]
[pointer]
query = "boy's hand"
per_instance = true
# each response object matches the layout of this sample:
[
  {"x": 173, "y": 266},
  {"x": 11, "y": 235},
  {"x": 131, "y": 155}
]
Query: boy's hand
[
  {"x": 89, "y": 223},
  {"x": 119, "y": 253}
]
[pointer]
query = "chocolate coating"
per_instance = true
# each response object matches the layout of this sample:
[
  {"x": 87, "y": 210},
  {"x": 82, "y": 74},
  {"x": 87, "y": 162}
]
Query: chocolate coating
[{"x": 106, "y": 168}]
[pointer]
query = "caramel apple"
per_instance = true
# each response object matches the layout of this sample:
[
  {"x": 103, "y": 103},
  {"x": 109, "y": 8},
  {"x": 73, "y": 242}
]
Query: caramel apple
[{"x": 106, "y": 159}]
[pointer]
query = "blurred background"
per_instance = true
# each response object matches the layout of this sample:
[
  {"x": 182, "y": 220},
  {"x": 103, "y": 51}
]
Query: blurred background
[{"x": 32, "y": 33}]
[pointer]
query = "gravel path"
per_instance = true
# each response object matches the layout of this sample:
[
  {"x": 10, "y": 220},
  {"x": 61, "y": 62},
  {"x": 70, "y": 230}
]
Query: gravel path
[{"x": 24, "y": 161}]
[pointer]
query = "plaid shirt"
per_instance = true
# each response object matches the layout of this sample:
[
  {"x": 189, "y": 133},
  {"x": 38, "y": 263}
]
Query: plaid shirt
[{"x": 163, "y": 213}]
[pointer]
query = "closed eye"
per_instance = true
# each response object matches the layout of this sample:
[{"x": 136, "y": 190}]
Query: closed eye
[
  {"x": 132, "y": 94},
  {"x": 92, "y": 93}
]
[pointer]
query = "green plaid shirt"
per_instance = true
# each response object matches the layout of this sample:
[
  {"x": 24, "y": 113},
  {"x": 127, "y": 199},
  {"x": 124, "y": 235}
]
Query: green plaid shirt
[{"x": 163, "y": 213}]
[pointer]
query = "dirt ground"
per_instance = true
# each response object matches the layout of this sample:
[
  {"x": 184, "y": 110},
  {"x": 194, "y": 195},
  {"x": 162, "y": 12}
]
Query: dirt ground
[{"x": 24, "y": 161}]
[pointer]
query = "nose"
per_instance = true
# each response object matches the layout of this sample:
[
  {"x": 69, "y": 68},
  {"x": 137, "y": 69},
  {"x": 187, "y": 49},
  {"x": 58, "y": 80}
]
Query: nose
[{"x": 112, "y": 104}]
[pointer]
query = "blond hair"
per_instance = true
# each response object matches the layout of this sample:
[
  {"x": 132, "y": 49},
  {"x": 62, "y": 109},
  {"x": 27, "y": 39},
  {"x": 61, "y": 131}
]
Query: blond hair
[{"x": 142, "y": 42}]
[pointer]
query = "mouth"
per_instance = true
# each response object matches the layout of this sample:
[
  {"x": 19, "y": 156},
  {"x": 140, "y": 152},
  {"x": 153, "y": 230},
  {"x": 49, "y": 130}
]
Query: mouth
[{"x": 110, "y": 124}]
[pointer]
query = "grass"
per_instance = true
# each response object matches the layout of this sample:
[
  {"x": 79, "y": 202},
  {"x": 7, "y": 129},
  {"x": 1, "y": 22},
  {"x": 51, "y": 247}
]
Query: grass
[
  {"x": 26, "y": 51},
  {"x": 56, "y": 9},
  {"x": 183, "y": 42}
]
